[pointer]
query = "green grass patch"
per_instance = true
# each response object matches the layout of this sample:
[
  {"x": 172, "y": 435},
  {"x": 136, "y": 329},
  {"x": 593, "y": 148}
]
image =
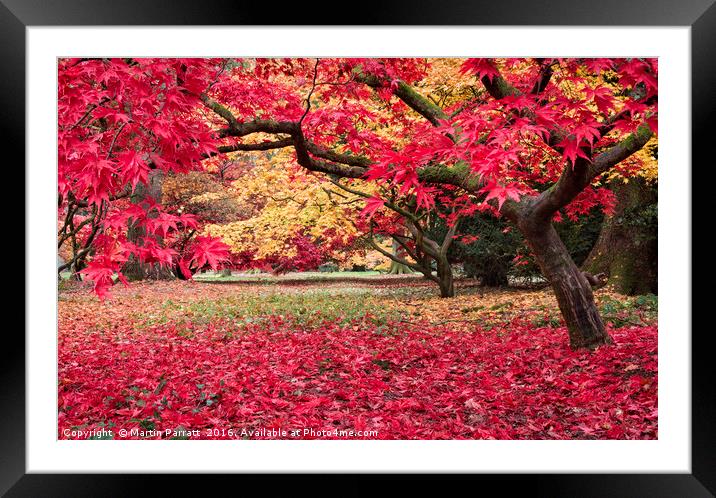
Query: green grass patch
[{"x": 311, "y": 308}]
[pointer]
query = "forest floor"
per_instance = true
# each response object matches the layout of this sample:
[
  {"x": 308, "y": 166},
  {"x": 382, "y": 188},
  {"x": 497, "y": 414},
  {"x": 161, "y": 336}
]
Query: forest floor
[{"x": 381, "y": 356}]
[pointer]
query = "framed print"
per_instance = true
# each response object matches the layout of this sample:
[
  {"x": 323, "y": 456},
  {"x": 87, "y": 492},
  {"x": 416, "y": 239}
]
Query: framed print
[{"x": 438, "y": 244}]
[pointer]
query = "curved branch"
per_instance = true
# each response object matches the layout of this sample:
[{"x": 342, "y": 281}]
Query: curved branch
[
  {"x": 278, "y": 144},
  {"x": 310, "y": 94},
  {"x": 330, "y": 155},
  {"x": 398, "y": 259},
  {"x": 406, "y": 214},
  {"x": 404, "y": 244},
  {"x": 219, "y": 109},
  {"x": 574, "y": 180},
  {"x": 407, "y": 94},
  {"x": 617, "y": 153},
  {"x": 336, "y": 163}
]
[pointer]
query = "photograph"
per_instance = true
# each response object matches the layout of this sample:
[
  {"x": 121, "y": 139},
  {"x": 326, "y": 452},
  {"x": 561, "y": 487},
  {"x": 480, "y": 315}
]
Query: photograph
[
  {"x": 357, "y": 248},
  {"x": 444, "y": 239}
]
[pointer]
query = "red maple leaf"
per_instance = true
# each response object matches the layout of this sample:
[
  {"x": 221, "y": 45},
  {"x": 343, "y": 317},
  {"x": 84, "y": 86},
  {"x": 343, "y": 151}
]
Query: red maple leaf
[{"x": 372, "y": 204}]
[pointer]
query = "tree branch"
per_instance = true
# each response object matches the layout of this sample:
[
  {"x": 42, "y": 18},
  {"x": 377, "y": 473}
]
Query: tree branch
[
  {"x": 391, "y": 256},
  {"x": 617, "y": 153},
  {"x": 545, "y": 74},
  {"x": 406, "y": 214},
  {"x": 405, "y": 246},
  {"x": 407, "y": 94},
  {"x": 308, "y": 99},
  {"x": 344, "y": 165},
  {"x": 447, "y": 241},
  {"x": 278, "y": 144},
  {"x": 498, "y": 87},
  {"x": 219, "y": 109},
  {"x": 573, "y": 180}
]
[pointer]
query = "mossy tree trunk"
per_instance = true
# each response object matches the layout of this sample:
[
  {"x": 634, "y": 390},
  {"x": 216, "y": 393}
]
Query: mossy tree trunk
[
  {"x": 429, "y": 250},
  {"x": 626, "y": 250}
]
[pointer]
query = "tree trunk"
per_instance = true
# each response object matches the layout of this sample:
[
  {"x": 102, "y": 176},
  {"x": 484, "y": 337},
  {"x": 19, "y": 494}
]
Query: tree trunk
[
  {"x": 494, "y": 279},
  {"x": 395, "y": 267},
  {"x": 489, "y": 270},
  {"x": 445, "y": 279},
  {"x": 134, "y": 269},
  {"x": 398, "y": 269},
  {"x": 573, "y": 291},
  {"x": 626, "y": 250}
]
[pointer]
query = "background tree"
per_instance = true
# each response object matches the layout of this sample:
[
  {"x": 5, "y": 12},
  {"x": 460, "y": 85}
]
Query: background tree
[
  {"x": 290, "y": 220},
  {"x": 408, "y": 228},
  {"x": 626, "y": 250},
  {"x": 486, "y": 248}
]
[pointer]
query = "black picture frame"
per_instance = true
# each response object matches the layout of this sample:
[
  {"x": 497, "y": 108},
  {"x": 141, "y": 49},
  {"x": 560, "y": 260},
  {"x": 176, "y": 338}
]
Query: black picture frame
[{"x": 700, "y": 15}]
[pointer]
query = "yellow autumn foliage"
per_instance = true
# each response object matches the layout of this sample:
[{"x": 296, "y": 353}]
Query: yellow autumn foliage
[{"x": 288, "y": 200}]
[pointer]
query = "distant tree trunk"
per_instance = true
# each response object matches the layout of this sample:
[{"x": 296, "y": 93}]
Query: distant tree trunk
[
  {"x": 226, "y": 272},
  {"x": 494, "y": 279},
  {"x": 490, "y": 275},
  {"x": 626, "y": 250},
  {"x": 395, "y": 267},
  {"x": 398, "y": 269},
  {"x": 134, "y": 269}
]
